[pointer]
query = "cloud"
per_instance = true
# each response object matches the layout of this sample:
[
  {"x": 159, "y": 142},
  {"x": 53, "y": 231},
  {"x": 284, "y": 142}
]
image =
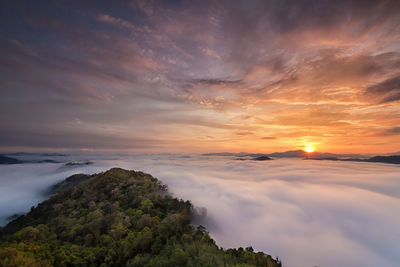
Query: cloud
[
  {"x": 215, "y": 81},
  {"x": 312, "y": 117},
  {"x": 116, "y": 21},
  {"x": 145, "y": 6},
  {"x": 286, "y": 64},
  {"x": 244, "y": 133},
  {"x": 392, "y": 131},
  {"x": 268, "y": 137},
  {"x": 76, "y": 140},
  {"x": 386, "y": 91},
  {"x": 308, "y": 213}
]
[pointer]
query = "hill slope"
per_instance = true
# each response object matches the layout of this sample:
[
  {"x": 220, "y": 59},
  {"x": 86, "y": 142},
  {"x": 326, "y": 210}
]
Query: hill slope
[{"x": 116, "y": 218}]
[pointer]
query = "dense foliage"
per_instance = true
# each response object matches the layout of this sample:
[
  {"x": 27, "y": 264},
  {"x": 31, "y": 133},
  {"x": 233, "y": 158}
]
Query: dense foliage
[{"x": 116, "y": 218}]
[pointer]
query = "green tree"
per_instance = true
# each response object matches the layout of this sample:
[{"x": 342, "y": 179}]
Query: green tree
[
  {"x": 179, "y": 257},
  {"x": 146, "y": 205}
]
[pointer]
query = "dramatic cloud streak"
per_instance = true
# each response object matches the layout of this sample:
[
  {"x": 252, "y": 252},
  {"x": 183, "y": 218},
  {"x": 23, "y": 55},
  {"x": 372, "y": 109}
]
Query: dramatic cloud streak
[
  {"x": 308, "y": 213},
  {"x": 196, "y": 73}
]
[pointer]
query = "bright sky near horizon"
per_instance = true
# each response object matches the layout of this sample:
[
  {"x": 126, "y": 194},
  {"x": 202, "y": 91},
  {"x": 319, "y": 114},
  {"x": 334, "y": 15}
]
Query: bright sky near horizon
[{"x": 200, "y": 76}]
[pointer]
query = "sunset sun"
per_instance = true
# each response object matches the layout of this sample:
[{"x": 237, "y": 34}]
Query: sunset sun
[{"x": 309, "y": 149}]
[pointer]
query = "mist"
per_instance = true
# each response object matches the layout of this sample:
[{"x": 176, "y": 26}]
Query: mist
[{"x": 324, "y": 213}]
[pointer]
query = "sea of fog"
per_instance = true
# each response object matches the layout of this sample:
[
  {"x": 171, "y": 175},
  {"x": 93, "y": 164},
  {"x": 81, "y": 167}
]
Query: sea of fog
[{"x": 307, "y": 212}]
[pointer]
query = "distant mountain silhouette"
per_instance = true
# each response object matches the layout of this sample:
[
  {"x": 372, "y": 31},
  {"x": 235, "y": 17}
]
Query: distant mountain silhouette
[
  {"x": 78, "y": 163},
  {"x": 289, "y": 154},
  {"x": 395, "y": 159},
  {"x": 262, "y": 158},
  {"x": 8, "y": 160},
  {"x": 16, "y": 154},
  {"x": 392, "y": 159}
]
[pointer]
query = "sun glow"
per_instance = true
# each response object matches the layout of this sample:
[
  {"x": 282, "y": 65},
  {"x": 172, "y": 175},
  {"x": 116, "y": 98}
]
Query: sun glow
[{"x": 309, "y": 149}]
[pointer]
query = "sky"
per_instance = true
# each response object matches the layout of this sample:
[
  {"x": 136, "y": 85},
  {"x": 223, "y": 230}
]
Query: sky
[
  {"x": 346, "y": 217},
  {"x": 200, "y": 76}
]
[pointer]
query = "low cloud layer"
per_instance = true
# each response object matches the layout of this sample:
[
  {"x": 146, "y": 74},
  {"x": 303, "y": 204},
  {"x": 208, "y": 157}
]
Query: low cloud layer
[{"x": 306, "y": 212}]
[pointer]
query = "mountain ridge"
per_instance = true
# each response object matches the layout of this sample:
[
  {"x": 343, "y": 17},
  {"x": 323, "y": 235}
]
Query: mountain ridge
[
  {"x": 389, "y": 159},
  {"x": 116, "y": 218}
]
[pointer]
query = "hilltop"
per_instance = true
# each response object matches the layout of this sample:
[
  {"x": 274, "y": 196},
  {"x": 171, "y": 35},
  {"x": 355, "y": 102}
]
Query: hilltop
[{"x": 115, "y": 218}]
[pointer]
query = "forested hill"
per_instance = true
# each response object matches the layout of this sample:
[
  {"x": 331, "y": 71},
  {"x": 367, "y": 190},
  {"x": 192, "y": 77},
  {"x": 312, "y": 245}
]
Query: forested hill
[{"x": 116, "y": 218}]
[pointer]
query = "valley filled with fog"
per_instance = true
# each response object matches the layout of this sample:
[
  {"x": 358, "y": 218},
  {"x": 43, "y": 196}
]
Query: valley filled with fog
[{"x": 306, "y": 212}]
